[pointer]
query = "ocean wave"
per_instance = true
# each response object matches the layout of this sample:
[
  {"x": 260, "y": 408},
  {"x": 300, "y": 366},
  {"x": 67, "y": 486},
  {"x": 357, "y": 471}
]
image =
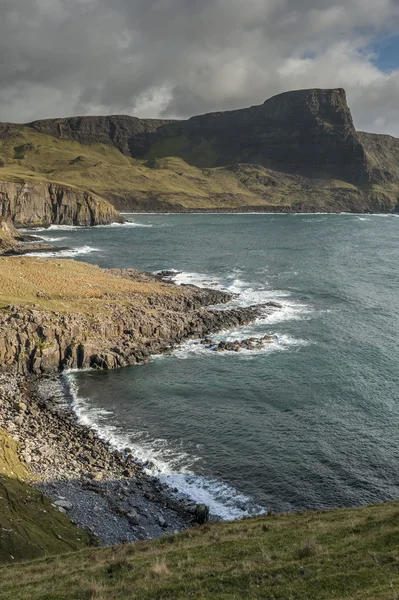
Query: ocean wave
[
  {"x": 54, "y": 228},
  {"x": 69, "y": 253},
  {"x": 126, "y": 224},
  {"x": 47, "y": 238},
  {"x": 194, "y": 348},
  {"x": 246, "y": 294},
  {"x": 171, "y": 464},
  {"x": 83, "y": 227}
]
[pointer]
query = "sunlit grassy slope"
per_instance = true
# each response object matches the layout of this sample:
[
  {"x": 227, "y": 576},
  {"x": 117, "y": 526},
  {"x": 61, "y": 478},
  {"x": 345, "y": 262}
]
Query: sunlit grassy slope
[
  {"x": 162, "y": 181},
  {"x": 69, "y": 286},
  {"x": 338, "y": 554}
]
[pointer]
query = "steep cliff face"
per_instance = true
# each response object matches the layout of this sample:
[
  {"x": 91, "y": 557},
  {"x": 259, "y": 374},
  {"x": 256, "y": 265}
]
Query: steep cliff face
[
  {"x": 132, "y": 136},
  {"x": 308, "y": 131},
  {"x": 298, "y": 151},
  {"x": 383, "y": 155},
  {"x": 31, "y": 204}
]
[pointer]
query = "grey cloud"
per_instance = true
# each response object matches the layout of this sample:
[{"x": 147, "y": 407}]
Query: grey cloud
[{"x": 183, "y": 57}]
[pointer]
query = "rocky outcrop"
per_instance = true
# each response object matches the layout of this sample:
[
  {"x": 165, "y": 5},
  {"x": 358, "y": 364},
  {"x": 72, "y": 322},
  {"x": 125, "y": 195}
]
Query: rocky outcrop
[
  {"x": 8, "y": 235},
  {"x": 252, "y": 343},
  {"x": 132, "y": 136},
  {"x": 32, "y": 204},
  {"x": 41, "y": 341}
]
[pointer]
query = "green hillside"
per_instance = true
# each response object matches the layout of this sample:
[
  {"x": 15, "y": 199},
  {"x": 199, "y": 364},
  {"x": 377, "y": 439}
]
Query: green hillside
[
  {"x": 30, "y": 526},
  {"x": 351, "y": 554},
  {"x": 159, "y": 182}
]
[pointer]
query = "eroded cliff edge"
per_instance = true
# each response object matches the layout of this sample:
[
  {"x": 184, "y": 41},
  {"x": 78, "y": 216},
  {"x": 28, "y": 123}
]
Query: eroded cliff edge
[
  {"x": 64, "y": 314},
  {"x": 31, "y": 204}
]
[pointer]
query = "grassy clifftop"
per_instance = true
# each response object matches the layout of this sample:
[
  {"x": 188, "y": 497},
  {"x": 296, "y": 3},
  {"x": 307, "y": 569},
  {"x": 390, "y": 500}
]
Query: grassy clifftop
[
  {"x": 69, "y": 286},
  {"x": 351, "y": 553}
]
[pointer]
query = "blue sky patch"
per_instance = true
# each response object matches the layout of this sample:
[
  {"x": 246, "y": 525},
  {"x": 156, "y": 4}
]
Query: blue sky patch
[{"x": 387, "y": 52}]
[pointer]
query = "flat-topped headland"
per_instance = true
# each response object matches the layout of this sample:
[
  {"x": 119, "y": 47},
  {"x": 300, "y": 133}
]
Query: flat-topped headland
[{"x": 297, "y": 152}]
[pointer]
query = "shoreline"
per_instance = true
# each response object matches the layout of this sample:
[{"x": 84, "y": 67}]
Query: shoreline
[
  {"x": 252, "y": 211},
  {"x": 104, "y": 491}
]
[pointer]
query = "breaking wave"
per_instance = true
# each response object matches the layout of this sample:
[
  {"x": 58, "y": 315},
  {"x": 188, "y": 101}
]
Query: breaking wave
[
  {"x": 172, "y": 465},
  {"x": 67, "y": 253}
]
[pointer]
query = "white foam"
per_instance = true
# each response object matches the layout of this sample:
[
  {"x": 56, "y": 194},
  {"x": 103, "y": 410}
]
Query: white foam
[
  {"x": 46, "y": 238},
  {"x": 126, "y": 224},
  {"x": 69, "y": 253},
  {"x": 84, "y": 227},
  {"x": 246, "y": 295},
  {"x": 194, "y": 348},
  {"x": 54, "y": 228},
  {"x": 172, "y": 465}
]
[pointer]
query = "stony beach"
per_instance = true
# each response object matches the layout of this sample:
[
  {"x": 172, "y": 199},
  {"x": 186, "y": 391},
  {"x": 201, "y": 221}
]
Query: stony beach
[{"x": 104, "y": 491}]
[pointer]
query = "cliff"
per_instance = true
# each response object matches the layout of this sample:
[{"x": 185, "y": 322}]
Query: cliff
[
  {"x": 32, "y": 204},
  {"x": 75, "y": 315},
  {"x": 309, "y": 132},
  {"x": 298, "y": 151},
  {"x": 132, "y": 136}
]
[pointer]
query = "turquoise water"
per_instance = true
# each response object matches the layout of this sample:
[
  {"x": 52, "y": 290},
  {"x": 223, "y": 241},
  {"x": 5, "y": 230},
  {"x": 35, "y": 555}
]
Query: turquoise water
[{"x": 313, "y": 421}]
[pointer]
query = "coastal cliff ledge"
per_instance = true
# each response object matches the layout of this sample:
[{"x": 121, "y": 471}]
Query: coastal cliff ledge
[
  {"x": 65, "y": 314},
  {"x": 43, "y": 204}
]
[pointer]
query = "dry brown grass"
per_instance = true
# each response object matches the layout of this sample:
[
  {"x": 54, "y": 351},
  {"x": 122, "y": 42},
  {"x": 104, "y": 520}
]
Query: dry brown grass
[
  {"x": 160, "y": 569},
  {"x": 67, "y": 285},
  {"x": 308, "y": 548}
]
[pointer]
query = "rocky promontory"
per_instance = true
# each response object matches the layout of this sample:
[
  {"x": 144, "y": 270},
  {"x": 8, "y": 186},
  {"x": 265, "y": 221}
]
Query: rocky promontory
[
  {"x": 32, "y": 204},
  {"x": 78, "y": 316}
]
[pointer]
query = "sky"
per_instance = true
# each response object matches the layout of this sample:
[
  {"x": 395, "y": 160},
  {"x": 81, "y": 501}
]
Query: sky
[{"x": 178, "y": 58}]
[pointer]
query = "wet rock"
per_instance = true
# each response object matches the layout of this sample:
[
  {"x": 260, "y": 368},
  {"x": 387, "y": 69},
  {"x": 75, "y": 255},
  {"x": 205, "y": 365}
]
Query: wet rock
[
  {"x": 252, "y": 343},
  {"x": 161, "y": 522},
  {"x": 133, "y": 517}
]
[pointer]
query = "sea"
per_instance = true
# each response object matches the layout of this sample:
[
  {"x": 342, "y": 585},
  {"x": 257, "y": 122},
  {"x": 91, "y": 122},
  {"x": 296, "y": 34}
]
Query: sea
[{"x": 310, "y": 421}]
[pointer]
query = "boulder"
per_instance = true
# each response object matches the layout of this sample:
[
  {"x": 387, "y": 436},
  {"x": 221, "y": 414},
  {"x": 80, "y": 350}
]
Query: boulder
[{"x": 201, "y": 514}]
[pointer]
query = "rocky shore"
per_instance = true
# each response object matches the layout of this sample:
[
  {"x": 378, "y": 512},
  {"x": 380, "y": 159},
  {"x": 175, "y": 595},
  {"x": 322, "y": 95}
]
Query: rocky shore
[
  {"x": 251, "y": 344},
  {"x": 103, "y": 490},
  {"x": 33, "y": 340},
  {"x": 15, "y": 243}
]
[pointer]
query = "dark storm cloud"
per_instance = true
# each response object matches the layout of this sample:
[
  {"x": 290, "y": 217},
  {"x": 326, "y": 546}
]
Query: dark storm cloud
[{"x": 184, "y": 57}]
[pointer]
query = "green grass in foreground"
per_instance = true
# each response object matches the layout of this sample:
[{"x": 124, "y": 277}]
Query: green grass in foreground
[{"x": 343, "y": 553}]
